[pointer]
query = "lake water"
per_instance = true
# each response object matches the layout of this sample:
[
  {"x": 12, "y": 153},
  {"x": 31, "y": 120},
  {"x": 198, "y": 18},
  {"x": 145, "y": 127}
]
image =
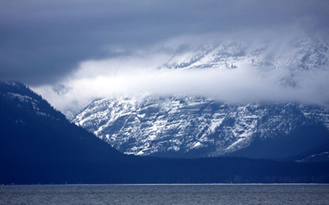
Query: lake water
[{"x": 225, "y": 194}]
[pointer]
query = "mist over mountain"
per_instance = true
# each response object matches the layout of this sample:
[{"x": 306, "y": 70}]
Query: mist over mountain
[
  {"x": 254, "y": 99},
  {"x": 279, "y": 70}
]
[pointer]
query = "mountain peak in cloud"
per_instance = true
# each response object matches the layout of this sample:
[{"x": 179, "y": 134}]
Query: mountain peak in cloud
[{"x": 287, "y": 69}]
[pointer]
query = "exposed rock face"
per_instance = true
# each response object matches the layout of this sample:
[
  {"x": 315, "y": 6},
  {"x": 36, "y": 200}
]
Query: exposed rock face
[{"x": 193, "y": 127}]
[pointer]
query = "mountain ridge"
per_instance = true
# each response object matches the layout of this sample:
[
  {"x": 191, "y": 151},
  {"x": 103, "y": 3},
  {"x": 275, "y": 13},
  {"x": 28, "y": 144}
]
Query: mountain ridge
[{"x": 44, "y": 149}]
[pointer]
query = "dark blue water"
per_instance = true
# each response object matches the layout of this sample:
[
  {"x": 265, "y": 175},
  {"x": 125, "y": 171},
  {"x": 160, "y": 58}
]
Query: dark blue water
[{"x": 166, "y": 194}]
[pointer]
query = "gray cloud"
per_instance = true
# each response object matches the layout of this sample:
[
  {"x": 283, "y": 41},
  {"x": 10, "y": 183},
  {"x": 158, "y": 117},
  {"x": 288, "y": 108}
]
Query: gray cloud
[
  {"x": 280, "y": 70},
  {"x": 43, "y": 41}
]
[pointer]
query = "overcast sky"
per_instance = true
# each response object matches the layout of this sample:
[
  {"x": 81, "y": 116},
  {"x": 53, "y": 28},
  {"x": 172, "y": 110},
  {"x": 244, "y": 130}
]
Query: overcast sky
[{"x": 50, "y": 42}]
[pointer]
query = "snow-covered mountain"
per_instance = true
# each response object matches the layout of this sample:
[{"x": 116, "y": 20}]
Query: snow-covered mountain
[
  {"x": 297, "y": 54},
  {"x": 199, "y": 127},
  {"x": 189, "y": 126}
]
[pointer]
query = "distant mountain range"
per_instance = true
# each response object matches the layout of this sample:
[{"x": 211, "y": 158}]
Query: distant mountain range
[
  {"x": 39, "y": 145},
  {"x": 193, "y": 127}
]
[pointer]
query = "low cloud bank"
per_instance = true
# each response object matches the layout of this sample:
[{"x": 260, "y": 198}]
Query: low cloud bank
[{"x": 142, "y": 74}]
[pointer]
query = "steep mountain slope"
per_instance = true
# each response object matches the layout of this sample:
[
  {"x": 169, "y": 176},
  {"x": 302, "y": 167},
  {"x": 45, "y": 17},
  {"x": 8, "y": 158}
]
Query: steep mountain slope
[
  {"x": 188, "y": 126},
  {"x": 38, "y": 144},
  {"x": 25, "y": 113}
]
